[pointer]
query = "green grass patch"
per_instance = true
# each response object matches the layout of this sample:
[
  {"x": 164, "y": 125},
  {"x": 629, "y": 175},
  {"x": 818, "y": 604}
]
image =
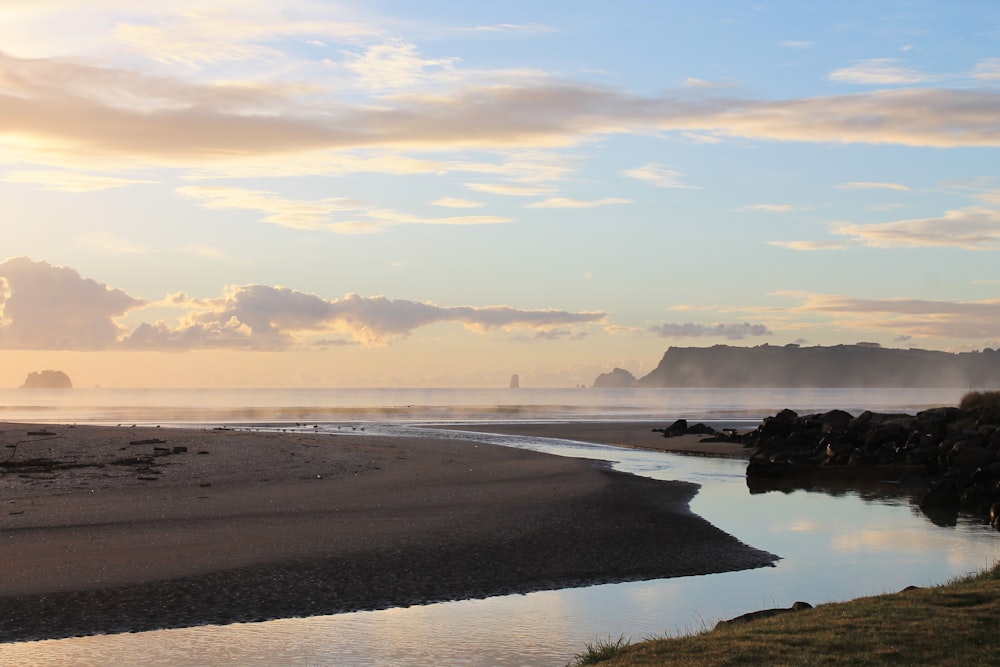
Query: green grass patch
[{"x": 953, "y": 625}]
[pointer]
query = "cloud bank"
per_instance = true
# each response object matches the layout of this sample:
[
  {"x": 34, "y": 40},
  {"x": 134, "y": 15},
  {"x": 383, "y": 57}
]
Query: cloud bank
[
  {"x": 736, "y": 331},
  {"x": 45, "y": 307},
  {"x": 68, "y": 107}
]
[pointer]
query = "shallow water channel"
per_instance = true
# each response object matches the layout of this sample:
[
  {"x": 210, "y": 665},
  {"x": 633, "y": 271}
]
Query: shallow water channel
[{"x": 834, "y": 546}]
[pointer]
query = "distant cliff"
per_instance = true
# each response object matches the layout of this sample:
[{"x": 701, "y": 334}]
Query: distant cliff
[
  {"x": 861, "y": 365},
  {"x": 47, "y": 380}
]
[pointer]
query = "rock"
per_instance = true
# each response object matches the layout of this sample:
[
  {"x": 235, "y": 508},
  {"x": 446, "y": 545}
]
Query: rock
[
  {"x": 679, "y": 427},
  {"x": 945, "y": 450},
  {"x": 47, "y": 380},
  {"x": 763, "y": 613},
  {"x": 835, "y": 421},
  {"x": 619, "y": 378},
  {"x": 970, "y": 454}
]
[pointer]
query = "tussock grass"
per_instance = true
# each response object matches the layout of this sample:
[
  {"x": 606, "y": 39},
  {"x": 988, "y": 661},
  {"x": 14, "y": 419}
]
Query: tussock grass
[
  {"x": 601, "y": 650},
  {"x": 984, "y": 405},
  {"x": 951, "y": 625}
]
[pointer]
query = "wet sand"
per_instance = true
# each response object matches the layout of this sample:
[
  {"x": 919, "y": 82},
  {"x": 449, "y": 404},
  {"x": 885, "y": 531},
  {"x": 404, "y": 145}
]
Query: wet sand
[{"x": 112, "y": 529}]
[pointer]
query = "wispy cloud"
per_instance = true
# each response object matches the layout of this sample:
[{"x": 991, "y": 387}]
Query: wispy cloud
[
  {"x": 987, "y": 69},
  {"x": 69, "y": 181},
  {"x": 525, "y": 28},
  {"x": 972, "y": 228},
  {"x": 89, "y": 111},
  {"x": 772, "y": 208},
  {"x": 873, "y": 185},
  {"x": 909, "y": 317},
  {"x": 659, "y": 175},
  {"x": 397, "y": 64},
  {"x": 563, "y": 202},
  {"x": 106, "y": 242},
  {"x": 509, "y": 189},
  {"x": 204, "y": 34},
  {"x": 810, "y": 245},
  {"x": 333, "y": 214},
  {"x": 881, "y": 72},
  {"x": 454, "y": 202}
]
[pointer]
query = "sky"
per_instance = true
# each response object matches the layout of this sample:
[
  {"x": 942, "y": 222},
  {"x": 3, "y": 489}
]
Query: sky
[{"x": 318, "y": 193}]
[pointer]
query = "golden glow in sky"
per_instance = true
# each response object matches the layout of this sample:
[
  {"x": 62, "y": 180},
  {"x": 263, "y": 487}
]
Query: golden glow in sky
[{"x": 320, "y": 193}]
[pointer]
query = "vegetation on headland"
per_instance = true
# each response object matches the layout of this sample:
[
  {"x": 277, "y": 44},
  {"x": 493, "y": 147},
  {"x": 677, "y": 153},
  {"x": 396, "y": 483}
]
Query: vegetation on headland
[{"x": 952, "y": 624}]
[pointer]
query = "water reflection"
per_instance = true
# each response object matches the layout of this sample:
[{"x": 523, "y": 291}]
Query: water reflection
[{"x": 834, "y": 546}]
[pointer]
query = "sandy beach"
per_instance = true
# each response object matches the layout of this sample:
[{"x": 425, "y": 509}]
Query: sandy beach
[{"x": 112, "y": 529}]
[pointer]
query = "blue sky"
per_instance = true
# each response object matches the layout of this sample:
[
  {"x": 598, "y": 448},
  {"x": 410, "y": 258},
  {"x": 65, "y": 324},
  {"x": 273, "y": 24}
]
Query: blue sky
[{"x": 443, "y": 194}]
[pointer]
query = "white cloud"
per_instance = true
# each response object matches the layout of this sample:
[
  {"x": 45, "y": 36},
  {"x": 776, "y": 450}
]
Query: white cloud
[
  {"x": 397, "y": 64},
  {"x": 204, "y": 34},
  {"x": 771, "y": 208},
  {"x": 263, "y": 317},
  {"x": 334, "y": 214},
  {"x": 971, "y": 228},
  {"x": 508, "y": 189},
  {"x": 909, "y": 317},
  {"x": 987, "y": 69},
  {"x": 528, "y": 28},
  {"x": 879, "y": 71},
  {"x": 454, "y": 202},
  {"x": 295, "y": 214},
  {"x": 61, "y": 110},
  {"x": 45, "y": 307},
  {"x": 563, "y": 202},
  {"x": 657, "y": 174},
  {"x": 873, "y": 185},
  {"x": 810, "y": 245}
]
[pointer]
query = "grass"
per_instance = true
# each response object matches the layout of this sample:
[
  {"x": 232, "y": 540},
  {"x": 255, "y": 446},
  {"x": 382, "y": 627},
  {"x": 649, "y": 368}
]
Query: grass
[
  {"x": 951, "y": 625},
  {"x": 984, "y": 405},
  {"x": 601, "y": 651}
]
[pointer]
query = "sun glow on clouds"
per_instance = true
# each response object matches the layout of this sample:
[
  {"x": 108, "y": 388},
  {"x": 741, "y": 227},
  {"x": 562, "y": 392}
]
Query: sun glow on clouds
[{"x": 44, "y": 307}]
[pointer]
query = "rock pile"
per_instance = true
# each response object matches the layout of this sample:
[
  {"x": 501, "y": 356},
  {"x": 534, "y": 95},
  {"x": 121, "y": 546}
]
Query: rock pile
[{"x": 954, "y": 451}]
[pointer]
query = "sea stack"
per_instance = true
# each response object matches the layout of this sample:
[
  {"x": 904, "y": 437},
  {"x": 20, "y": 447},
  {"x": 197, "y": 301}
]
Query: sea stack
[
  {"x": 47, "y": 380},
  {"x": 515, "y": 383}
]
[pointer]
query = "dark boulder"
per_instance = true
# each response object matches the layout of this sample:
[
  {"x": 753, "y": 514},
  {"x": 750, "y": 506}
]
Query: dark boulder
[{"x": 763, "y": 613}]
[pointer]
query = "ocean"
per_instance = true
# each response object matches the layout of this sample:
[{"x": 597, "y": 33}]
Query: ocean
[{"x": 283, "y": 406}]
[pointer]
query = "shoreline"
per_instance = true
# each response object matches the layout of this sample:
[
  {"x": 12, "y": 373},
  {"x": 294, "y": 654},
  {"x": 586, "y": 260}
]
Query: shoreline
[{"x": 114, "y": 529}]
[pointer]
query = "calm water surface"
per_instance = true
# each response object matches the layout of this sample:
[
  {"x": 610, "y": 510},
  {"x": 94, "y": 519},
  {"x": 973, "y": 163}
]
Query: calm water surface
[{"x": 833, "y": 547}]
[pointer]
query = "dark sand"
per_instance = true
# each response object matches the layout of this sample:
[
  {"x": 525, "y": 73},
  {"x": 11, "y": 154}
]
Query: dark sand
[{"x": 106, "y": 529}]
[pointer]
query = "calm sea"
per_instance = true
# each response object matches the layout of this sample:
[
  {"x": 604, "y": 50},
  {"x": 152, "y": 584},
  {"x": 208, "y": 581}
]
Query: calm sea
[
  {"x": 415, "y": 405},
  {"x": 834, "y": 545}
]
